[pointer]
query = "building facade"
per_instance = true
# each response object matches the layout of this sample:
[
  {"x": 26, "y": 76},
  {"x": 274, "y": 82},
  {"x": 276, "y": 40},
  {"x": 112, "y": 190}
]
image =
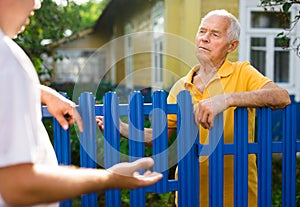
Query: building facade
[{"x": 150, "y": 44}]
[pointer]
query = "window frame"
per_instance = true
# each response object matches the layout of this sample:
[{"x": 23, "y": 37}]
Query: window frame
[{"x": 246, "y": 7}]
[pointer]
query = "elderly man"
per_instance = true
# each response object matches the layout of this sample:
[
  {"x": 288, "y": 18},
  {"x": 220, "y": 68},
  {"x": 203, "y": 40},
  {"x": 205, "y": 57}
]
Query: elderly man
[
  {"x": 29, "y": 173},
  {"x": 217, "y": 86}
]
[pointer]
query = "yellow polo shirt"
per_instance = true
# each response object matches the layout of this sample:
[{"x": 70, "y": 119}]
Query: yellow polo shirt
[{"x": 231, "y": 77}]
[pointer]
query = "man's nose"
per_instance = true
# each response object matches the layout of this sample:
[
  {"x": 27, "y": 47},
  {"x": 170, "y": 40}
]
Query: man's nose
[{"x": 205, "y": 37}]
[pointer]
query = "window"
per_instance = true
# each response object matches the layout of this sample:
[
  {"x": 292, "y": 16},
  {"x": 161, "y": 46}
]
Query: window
[
  {"x": 259, "y": 43},
  {"x": 157, "y": 45},
  {"x": 80, "y": 65},
  {"x": 128, "y": 57},
  {"x": 267, "y": 53}
]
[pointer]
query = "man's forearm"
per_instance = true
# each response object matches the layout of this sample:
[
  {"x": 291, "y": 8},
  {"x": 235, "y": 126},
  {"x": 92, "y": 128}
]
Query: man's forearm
[
  {"x": 29, "y": 184},
  {"x": 124, "y": 128},
  {"x": 47, "y": 93},
  {"x": 274, "y": 98}
]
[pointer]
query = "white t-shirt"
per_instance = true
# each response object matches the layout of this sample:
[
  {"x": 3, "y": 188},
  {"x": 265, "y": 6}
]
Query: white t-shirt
[{"x": 23, "y": 138}]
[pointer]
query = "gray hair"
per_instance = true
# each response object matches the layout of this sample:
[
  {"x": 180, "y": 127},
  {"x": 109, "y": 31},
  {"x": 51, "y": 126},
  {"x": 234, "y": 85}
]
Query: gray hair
[{"x": 234, "y": 28}]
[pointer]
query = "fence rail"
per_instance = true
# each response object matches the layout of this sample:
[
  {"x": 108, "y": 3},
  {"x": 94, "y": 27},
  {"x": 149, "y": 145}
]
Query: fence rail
[{"x": 187, "y": 149}]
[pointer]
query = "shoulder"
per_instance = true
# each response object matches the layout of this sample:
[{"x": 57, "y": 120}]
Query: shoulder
[
  {"x": 8, "y": 60},
  {"x": 245, "y": 68},
  {"x": 252, "y": 78}
]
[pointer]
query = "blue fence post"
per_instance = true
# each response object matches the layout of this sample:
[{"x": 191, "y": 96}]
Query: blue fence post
[
  {"x": 136, "y": 141},
  {"x": 264, "y": 123},
  {"x": 111, "y": 142},
  {"x": 289, "y": 157},
  {"x": 62, "y": 148},
  {"x": 187, "y": 145},
  {"x": 216, "y": 163},
  {"x": 88, "y": 145},
  {"x": 160, "y": 139},
  {"x": 241, "y": 157}
]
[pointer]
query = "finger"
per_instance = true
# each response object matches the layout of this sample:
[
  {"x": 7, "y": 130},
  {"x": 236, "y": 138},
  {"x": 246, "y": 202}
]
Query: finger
[
  {"x": 210, "y": 121},
  {"x": 100, "y": 123},
  {"x": 199, "y": 114},
  {"x": 60, "y": 118},
  {"x": 78, "y": 120},
  {"x": 204, "y": 120},
  {"x": 148, "y": 173},
  {"x": 142, "y": 163},
  {"x": 151, "y": 178}
]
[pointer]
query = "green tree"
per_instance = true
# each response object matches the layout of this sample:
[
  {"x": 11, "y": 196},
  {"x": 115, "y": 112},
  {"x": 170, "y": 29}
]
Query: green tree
[{"x": 53, "y": 22}]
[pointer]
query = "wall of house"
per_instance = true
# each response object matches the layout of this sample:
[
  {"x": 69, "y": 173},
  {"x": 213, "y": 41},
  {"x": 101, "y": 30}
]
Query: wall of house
[
  {"x": 138, "y": 15},
  {"x": 182, "y": 17}
]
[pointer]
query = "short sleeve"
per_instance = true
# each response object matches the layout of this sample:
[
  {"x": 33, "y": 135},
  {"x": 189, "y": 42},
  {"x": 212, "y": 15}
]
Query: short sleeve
[{"x": 254, "y": 79}]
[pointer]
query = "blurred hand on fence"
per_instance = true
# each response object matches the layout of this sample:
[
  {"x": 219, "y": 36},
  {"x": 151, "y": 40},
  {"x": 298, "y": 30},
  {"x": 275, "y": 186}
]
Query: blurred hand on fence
[
  {"x": 123, "y": 126},
  {"x": 61, "y": 108},
  {"x": 100, "y": 122},
  {"x": 126, "y": 174}
]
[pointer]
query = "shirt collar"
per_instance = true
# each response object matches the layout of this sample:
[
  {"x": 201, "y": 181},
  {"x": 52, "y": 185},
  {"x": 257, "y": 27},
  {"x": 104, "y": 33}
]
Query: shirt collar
[{"x": 225, "y": 70}]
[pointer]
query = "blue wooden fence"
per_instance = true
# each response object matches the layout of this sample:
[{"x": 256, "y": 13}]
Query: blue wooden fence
[{"x": 188, "y": 149}]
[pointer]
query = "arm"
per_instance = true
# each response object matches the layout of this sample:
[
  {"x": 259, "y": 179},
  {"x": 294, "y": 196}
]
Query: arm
[
  {"x": 270, "y": 95},
  {"x": 29, "y": 184},
  {"x": 61, "y": 108},
  {"x": 124, "y": 130}
]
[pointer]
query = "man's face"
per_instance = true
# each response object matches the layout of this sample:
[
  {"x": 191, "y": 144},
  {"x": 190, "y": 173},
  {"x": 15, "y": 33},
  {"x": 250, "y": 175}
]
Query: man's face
[
  {"x": 212, "y": 40},
  {"x": 19, "y": 13}
]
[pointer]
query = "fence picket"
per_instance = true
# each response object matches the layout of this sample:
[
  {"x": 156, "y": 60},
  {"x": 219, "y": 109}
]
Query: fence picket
[
  {"x": 264, "y": 157},
  {"x": 289, "y": 157},
  {"x": 187, "y": 143},
  {"x": 136, "y": 141},
  {"x": 160, "y": 139},
  {"x": 241, "y": 157},
  {"x": 216, "y": 163},
  {"x": 111, "y": 142},
  {"x": 88, "y": 150}
]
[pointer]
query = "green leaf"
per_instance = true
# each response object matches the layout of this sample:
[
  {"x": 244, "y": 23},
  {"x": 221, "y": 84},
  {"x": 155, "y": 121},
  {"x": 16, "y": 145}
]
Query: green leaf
[
  {"x": 280, "y": 34},
  {"x": 286, "y": 7}
]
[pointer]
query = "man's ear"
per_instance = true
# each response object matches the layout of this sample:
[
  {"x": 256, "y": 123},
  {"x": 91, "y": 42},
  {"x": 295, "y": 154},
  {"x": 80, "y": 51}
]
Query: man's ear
[{"x": 233, "y": 45}]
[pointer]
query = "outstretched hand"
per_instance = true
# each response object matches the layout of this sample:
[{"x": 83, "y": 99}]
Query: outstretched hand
[{"x": 126, "y": 175}]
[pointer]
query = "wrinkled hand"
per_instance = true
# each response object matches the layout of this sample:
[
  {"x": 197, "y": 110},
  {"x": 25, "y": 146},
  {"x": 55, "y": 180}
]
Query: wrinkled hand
[
  {"x": 126, "y": 174},
  {"x": 207, "y": 109}
]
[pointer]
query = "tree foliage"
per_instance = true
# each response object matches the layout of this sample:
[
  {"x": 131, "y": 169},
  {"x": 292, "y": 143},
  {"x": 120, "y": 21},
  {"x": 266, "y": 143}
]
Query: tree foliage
[{"x": 52, "y": 22}]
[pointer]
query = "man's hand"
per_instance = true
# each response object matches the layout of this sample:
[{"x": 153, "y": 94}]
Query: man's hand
[
  {"x": 61, "y": 108},
  {"x": 207, "y": 109},
  {"x": 133, "y": 179},
  {"x": 123, "y": 126}
]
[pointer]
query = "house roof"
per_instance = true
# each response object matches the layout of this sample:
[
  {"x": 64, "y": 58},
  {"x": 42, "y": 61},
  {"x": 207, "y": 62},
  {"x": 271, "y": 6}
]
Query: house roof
[{"x": 113, "y": 10}]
